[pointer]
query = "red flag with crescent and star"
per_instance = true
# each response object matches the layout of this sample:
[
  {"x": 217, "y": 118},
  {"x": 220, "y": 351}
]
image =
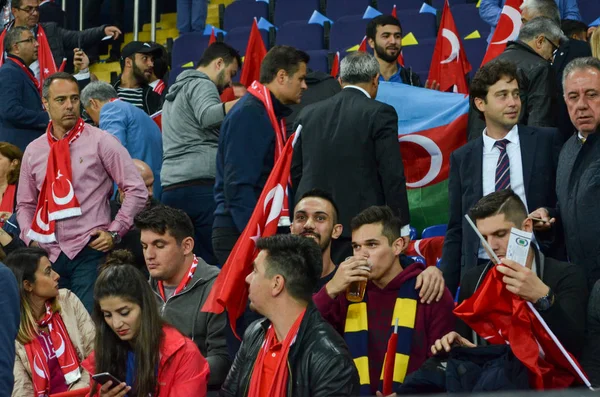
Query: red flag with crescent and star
[
  {"x": 507, "y": 29},
  {"x": 230, "y": 291},
  {"x": 255, "y": 52},
  {"x": 449, "y": 63}
]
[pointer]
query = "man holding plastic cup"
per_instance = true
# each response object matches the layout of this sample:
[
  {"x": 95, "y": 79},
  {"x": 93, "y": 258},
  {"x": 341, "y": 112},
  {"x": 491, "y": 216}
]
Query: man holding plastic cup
[{"x": 393, "y": 287}]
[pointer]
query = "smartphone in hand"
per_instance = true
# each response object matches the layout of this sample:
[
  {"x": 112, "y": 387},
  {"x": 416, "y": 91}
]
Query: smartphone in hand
[{"x": 104, "y": 377}]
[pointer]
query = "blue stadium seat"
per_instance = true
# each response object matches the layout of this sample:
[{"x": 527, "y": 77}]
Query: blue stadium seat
[
  {"x": 413, "y": 233},
  {"x": 467, "y": 19},
  {"x": 319, "y": 60},
  {"x": 188, "y": 47},
  {"x": 423, "y": 26},
  {"x": 347, "y": 32},
  {"x": 386, "y": 6},
  {"x": 434, "y": 231},
  {"x": 589, "y": 10},
  {"x": 241, "y": 14},
  {"x": 340, "y": 8},
  {"x": 301, "y": 35},
  {"x": 423, "y": 75},
  {"x": 439, "y": 4},
  {"x": 475, "y": 50},
  {"x": 294, "y": 10},
  {"x": 418, "y": 57},
  {"x": 238, "y": 39}
]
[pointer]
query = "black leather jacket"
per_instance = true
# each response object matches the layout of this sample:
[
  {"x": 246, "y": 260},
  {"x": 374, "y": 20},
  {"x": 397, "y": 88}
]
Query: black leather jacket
[{"x": 319, "y": 362}]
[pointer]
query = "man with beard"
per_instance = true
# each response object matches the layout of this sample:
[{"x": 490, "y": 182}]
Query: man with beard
[
  {"x": 384, "y": 34},
  {"x": 192, "y": 118},
  {"x": 137, "y": 65},
  {"x": 316, "y": 217}
]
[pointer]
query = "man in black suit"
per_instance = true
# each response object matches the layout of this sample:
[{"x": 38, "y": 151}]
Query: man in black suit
[
  {"x": 569, "y": 49},
  {"x": 506, "y": 155},
  {"x": 349, "y": 147},
  {"x": 557, "y": 289}
]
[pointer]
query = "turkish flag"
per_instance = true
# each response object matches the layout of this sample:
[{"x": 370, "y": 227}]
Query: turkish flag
[
  {"x": 157, "y": 118},
  {"x": 335, "y": 67},
  {"x": 230, "y": 290},
  {"x": 363, "y": 45},
  {"x": 394, "y": 12},
  {"x": 255, "y": 52},
  {"x": 213, "y": 38},
  {"x": 501, "y": 317},
  {"x": 428, "y": 248},
  {"x": 449, "y": 63},
  {"x": 507, "y": 29}
]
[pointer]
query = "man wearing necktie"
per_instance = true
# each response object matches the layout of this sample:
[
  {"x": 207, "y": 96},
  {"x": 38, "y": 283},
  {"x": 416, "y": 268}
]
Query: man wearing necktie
[{"x": 506, "y": 155}]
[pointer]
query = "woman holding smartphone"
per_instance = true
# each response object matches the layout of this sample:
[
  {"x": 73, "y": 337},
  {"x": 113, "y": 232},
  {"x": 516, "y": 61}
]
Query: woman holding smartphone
[
  {"x": 56, "y": 332},
  {"x": 134, "y": 346}
]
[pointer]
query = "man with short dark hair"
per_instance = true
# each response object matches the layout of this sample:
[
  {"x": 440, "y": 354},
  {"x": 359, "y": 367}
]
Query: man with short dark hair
[
  {"x": 574, "y": 30},
  {"x": 293, "y": 352},
  {"x": 384, "y": 34},
  {"x": 67, "y": 177},
  {"x": 137, "y": 66},
  {"x": 23, "y": 117},
  {"x": 556, "y": 289},
  {"x": 506, "y": 154},
  {"x": 391, "y": 295},
  {"x": 181, "y": 282},
  {"x": 192, "y": 117},
  {"x": 252, "y": 138}
]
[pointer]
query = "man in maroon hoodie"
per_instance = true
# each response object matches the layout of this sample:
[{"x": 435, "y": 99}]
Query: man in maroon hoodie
[{"x": 392, "y": 296}]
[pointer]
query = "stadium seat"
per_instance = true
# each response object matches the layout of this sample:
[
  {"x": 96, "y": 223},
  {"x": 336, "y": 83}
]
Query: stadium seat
[
  {"x": 238, "y": 38},
  {"x": 589, "y": 10},
  {"x": 319, "y": 60},
  {"x": 294, "y": 10},
  {"x": 468, "y": 20},
  {"x": 347, "y": 32},
  {"x": 189, "y": 47},
  {"x": 434, "y": 231},
  {"x": 423, "y": 75},
  {"x": 475, "y": 50},
  {"x": 413, "y": 233},
  {"x": 341, "y": 8},
  {"x": 299, "y": 34},
  {"x": 418, "y": 57},
  {"x": 439, "y": 4},
  {"x": 423, "y": 26},
  {"x": 240, "y": 14},
  {"x": 386, "y": 6}
]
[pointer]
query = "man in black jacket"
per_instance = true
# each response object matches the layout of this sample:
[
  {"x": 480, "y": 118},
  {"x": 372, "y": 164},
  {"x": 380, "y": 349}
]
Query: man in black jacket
[
  {"x": 577, "y": 183},
  {"x": 137, "y": 66},
  {"x": 293, "y": 351},
  {"x": 557, "y": 290},
  {"x": 349, "y": 144},
  {"x": 532, "y": 159},
  {"x": 538, "y": 42}
]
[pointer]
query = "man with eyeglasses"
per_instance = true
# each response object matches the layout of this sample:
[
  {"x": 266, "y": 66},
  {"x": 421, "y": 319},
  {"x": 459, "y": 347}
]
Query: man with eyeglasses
[
  {"x": 54, "y": 42},
  {"x": 23, "y": 117},
  {"x": 532, "y": 53}
]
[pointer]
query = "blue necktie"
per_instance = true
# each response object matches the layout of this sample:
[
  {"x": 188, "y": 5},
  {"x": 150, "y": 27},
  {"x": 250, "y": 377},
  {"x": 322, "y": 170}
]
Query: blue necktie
[{"x": 503, "y": 166}]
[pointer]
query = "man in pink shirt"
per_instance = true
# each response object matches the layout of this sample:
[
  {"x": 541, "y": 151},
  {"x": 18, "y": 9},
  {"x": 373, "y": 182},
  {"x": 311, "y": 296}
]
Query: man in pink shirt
[{"x": 67, "y": 212}]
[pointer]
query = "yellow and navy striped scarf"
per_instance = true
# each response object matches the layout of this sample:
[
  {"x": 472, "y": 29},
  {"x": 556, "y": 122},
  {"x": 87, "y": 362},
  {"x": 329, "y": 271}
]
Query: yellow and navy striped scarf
[{"x": 356, "y": 334}]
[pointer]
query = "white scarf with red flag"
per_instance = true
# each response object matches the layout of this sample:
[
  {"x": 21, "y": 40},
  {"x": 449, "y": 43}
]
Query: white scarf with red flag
[
  {"x": 64, "y": 349},
  {"x": 57, "y": 198},
  {"x": 230, "y": 290}
]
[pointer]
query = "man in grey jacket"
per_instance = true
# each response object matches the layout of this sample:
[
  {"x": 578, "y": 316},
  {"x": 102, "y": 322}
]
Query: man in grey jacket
[
  {"x": 181, "y": 282},
  {"x": 191, "y": 121}
]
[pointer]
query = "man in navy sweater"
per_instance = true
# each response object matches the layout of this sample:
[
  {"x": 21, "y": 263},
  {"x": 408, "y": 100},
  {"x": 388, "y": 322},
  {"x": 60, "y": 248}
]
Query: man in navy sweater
[{"x": 252, "y": 135}]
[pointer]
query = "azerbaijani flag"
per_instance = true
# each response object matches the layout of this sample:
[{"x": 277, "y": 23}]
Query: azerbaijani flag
[{"x": 431, "y": 125}]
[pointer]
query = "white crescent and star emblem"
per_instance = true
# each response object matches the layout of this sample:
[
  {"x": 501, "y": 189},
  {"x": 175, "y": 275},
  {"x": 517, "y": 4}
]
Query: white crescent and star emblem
[
  {"x": 277, "y": 195},
  {"x": 66, "y": 199},
  {"x": 257, "y": 236},
  {"x": 37, "y": 368},
  {"x": 436, "y": 158},
  {"x": 61, "y": 349},
  {"x": 38, "y": 219},
  {"x": 515, "y": 17},
  {"x": 451, "y": 36}
]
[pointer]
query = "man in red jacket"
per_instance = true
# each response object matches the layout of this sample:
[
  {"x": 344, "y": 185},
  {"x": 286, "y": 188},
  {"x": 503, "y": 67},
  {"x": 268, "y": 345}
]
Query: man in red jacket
[{"x": 392, "y": 287}]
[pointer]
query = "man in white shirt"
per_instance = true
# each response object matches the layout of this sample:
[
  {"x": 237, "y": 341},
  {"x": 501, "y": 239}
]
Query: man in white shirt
[{"x": 507, "y": 155}]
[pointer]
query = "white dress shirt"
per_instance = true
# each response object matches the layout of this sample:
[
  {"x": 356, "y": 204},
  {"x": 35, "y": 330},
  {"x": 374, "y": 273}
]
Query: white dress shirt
[{"x": 490, "y": 160}]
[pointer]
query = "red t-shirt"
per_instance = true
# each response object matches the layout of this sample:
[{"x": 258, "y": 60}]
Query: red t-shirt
[{"x": 269, "y": 367}]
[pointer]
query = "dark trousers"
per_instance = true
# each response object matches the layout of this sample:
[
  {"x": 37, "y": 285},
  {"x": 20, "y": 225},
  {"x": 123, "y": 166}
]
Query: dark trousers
[
  {"x": 91, "y": 14},
  {"x": 191, "y": 15},
  {"x": 223, "y": 241},
  {"x": 198, "y": 202},
  {"x": 79, "y": 274}
]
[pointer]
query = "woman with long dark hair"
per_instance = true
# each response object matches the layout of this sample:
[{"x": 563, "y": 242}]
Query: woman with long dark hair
[
  {"x": 56, "y": 332},
  {"x": 134, "y": 345}
]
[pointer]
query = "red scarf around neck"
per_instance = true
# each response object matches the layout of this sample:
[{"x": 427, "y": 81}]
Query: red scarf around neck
[
  {"x": 182, "y": 284},
  {"x": 64, "y": 349},
  {"x": 57, "y": 198},
  {"x": 45, "y": 58},
  {"x": 279, "y": 385}
]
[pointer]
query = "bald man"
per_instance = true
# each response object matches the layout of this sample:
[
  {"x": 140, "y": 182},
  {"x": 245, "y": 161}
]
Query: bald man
[{"x": 131, "y": 241}]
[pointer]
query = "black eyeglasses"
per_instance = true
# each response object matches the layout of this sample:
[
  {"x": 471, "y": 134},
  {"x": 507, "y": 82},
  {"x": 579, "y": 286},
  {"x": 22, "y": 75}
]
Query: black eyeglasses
[
  {"x": 30, "y": 40},
  {"x": 554, "y": 46},
  {"x": 30, "y": 10}
]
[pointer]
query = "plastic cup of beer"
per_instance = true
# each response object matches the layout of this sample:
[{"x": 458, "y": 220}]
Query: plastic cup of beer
[{"x": 355, "y": 292}]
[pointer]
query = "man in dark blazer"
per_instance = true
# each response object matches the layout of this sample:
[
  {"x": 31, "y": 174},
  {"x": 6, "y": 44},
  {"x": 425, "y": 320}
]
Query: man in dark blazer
[
  {"x": 476, "y": 168},
  {"x": 557, "y": 289},
  {"x": 349, "y": 147},
  {"x": 22, "y": 115}
]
